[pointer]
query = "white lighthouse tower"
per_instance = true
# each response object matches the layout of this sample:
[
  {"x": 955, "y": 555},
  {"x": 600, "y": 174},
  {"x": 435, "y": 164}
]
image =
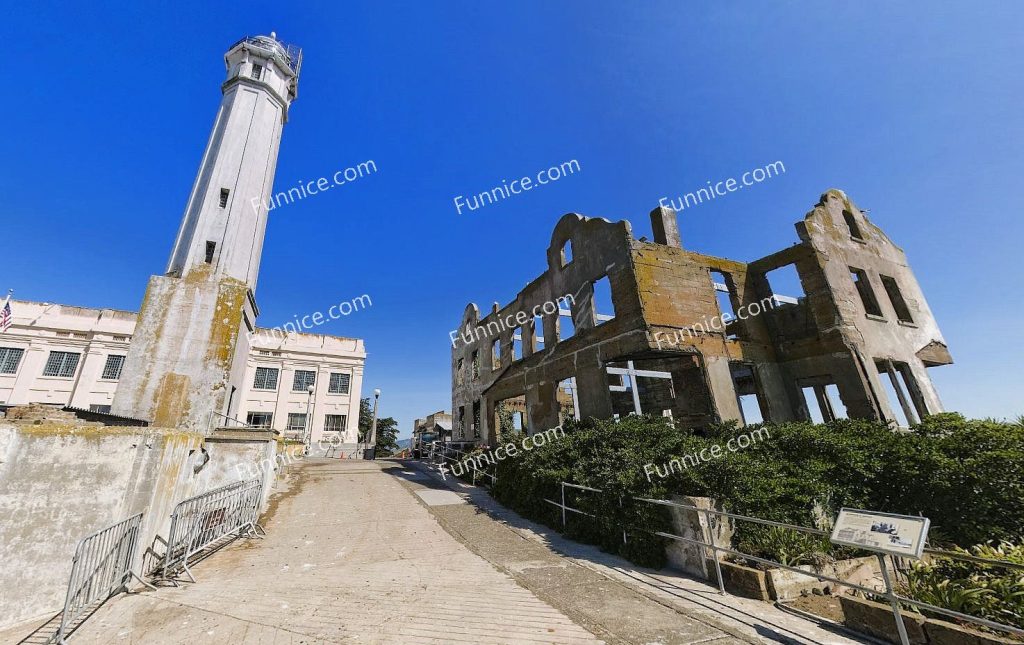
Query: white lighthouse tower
[{"x": 188, "y": 352}]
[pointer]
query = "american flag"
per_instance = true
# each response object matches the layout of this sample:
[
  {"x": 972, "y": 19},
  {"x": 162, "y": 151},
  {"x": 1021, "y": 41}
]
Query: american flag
[{"x": 5, "y": 317}]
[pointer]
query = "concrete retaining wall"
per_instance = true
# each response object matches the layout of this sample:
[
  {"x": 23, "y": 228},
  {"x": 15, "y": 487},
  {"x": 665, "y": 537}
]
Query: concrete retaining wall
[{"x": 61, "y": 481}]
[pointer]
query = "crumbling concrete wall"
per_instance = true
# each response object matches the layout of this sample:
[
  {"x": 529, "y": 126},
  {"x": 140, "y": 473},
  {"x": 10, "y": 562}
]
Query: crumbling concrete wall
[
  {"x": 670, "y": 329},
  {"x": 60, "y": 481}
]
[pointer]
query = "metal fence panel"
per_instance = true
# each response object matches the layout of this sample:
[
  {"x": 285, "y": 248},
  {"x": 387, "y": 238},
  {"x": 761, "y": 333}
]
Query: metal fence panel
[
  {"x": 199, "y": 521},
  {"x": 102, "y": 566}
]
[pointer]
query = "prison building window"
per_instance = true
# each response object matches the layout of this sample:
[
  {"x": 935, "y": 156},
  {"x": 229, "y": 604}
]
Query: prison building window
[
  {"x": 335, "y": 422},
  {"x": 475, "y": 361},
  {"x": 604, "y": 305},
  {"x": 224, "y": 192},
  {"x": 538, "y": 333},
  {"x": 851, "y": 223},
  {"x": 458, "y": 372},
  {"x": 10, "y": 357},
  {"x": 266, "y": 378},
  {"x": 62, "y": 364},
  {"x": 867, "y": 294},
  {"x": 304, "y": 379},
  {"x": 823, "y": 403},
  {"x": 210, "y": 248},
  {"x": 517, "y": 343},
  {"x": 296, "y": 421},
  {"x": 462, "y": 422},
  {"x": 112, "y": 368},
  {"x": 904, "y": 399},
  {"x": 98, "y": 407},
  {"x": 259, "y": 419},
  {"x": 785, "y": 280},
  {"x": 257, "y": 71},
  {"x": 339, "y": 383},
  {"x": 899, "y": 305},
  {"x": 476, "y": 419},
  {"x": 725, "y": 289},
  {"x": 567, "y": 253},
  {"x": 496, "y": 354}
]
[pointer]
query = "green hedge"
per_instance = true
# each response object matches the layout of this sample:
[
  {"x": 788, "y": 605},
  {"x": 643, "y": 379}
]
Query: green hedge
[{"x": 966, "y": 475}]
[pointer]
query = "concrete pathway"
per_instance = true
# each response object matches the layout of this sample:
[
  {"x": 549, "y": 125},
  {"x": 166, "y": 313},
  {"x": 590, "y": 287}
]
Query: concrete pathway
[
  {"x": 594, "y": 588},
  {"x": 351, "y": 556}
]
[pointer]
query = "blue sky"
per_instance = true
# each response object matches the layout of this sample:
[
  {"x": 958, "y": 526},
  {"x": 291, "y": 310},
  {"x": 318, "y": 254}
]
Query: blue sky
[{"x": 913, "y": 110}]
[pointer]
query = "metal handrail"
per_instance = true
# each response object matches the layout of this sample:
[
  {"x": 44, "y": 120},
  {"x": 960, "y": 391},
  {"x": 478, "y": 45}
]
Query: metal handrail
[
  {"x": 241, "y": 424},
  {"x": 198, "y": 522},
  {"x": 443, "y": 455},
  {"x": 102, "y": 567},
  {"x": 890, "y": 594}
]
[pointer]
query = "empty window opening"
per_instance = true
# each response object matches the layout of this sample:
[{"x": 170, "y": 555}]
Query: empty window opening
[
  {"x": 851, "y": 223},
  {"x": 867, "y": 294},
  {"x": 785, "y": 285},
  {"x": 904, "y": 398},
  {"x": 257, "y": 71},
  {"x": 462, "y": 422},
  {"x": 496, "y": 354},
  {"x": 640, "y": 387},
  {"x": 475, "y": 363},
  {"x": 823, "y": 402},
  {"x": 566, "y": 328},
  {"x": 517, "y": 343},
  {"x": 604, "y": 306},
  {"x": 725, "y": 290},
  {"x": 98, "y": 407},
  {"x": 567, "y": 252},
  {"x": 750, "y": 408},
  {"x": 899, "y": 305},
  {"x": 509, "y": 416},
  {"x": 224, "y": 192},
  {"x": 538, "y": 333},
  {"x": 568, "y": 401},
  {"x": 813, "y": 409},
  {"x": 211, "y": 248},
  {"x": 458, "y": 372},
  {"x": 476, "y": 419}
]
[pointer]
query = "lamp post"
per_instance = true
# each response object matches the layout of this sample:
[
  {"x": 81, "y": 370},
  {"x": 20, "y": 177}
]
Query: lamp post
[
  {"x": 371, "y": 449},
  {"x": 307, "y": 431}
]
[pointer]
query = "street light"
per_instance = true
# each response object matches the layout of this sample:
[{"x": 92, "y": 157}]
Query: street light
[
  {"x": 307, "y": 431},
  {"x": 371, "y": 450}
]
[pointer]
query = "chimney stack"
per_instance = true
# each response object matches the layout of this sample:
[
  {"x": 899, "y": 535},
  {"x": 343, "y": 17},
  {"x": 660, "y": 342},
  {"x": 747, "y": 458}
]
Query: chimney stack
[{"x": 665, "y": 226}]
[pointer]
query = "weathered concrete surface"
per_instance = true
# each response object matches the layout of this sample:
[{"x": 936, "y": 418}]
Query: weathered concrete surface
[
  {"x": 350, "y": 556},
  {"x": 607, "y": 594},
  {"x": 60, "y": 481}
]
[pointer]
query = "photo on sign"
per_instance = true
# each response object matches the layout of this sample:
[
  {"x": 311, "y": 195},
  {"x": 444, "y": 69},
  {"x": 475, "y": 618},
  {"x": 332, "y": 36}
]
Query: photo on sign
[{"x": 902, "y": 535}]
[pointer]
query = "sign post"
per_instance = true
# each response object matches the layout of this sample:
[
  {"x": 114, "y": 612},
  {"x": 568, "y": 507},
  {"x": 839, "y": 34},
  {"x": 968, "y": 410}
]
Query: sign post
[{"x": 885, "y": 534}]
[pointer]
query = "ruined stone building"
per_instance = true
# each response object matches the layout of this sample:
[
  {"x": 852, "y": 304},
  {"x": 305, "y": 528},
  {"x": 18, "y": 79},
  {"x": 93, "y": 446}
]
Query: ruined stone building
[{"x": 649, "y": 327}]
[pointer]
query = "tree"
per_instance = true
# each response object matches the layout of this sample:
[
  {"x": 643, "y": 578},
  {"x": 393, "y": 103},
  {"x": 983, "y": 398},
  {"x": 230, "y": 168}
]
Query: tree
[{"x": 387, "y": 429}]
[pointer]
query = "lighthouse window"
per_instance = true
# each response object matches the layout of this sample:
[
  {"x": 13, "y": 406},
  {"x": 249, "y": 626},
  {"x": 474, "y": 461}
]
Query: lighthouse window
[
  {"x": 210, "y": 248},
  {"x": 257, "y": 71},
  {"x": 224, "y": 192}
]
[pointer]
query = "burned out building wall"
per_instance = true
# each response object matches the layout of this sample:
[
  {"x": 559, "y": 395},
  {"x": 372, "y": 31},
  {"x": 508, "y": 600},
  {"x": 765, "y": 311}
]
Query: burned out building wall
[{"x": 617, "y": 325}]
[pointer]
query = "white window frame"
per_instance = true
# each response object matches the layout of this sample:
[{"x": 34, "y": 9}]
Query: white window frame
[{"x": 266, "y": 372}]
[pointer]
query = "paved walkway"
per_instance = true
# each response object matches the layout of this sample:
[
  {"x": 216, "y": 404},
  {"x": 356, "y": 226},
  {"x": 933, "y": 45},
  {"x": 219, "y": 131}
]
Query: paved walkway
[{"x": 351, "y": 556}]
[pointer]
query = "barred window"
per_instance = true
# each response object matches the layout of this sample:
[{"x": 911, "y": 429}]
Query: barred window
[
  {"x": 266, "y": 378},
  {"x": 257, "y": 71},
  {"x": 335, "y": 422},
  {"x": 259, "y": 419},
  {"x": 303, "y": 379},
  {"x": 339, "y": 383},
  {"x": 296, "y": 421},
  {"x": 96, "y": 407},
  {"x": 61, "y": 364},
  {"x": 112, "y": 370},
  {"x": 10, "y": 357}
]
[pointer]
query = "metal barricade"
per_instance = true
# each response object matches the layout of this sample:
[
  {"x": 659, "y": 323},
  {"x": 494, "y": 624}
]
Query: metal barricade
[
  {"x": 102, "y": 567},
  {"x": 199, "y": 521},
  {"x": 894, "y": 599}
]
